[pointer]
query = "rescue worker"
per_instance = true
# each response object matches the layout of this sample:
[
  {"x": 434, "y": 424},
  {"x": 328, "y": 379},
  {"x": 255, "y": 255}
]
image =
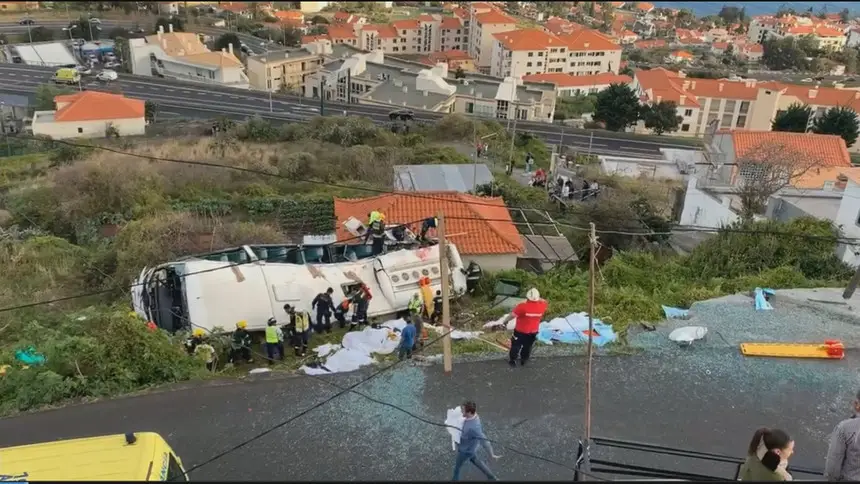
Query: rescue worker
[
  {"x": 241, "y": 343},
  {"x": 208, "y": 352},
  {"x": 361, "y": 299},
  {"x": 437, "y": 309},
  {"x": 373, "y": 216},
  {"x": 415, "y": 305},
  {"x": 429, "y": 223},
  {"x": 473, "y": 276},
  {"x": 376, "y": 231},
  {"x": 324, "y": 306},
  {"x": 195, "y": 339},
  {"x": 528, "y": 315},
  {"x": 340, "y": 312},
  {"x": 274, "y": 341},
  {"x": 301, "y": 323}
]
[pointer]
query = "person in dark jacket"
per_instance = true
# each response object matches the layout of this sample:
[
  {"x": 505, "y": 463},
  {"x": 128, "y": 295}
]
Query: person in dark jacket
[
  {"x": 324, "y": 306},
  {"x": 437, "y": 309},
  {"x": 429, "y": 223},
  {"x": 767, "y": 456},
  {"x": 361, "y": 300},
  {"x": 340, "y": 312},
  {"x": 473, "y": 276},
  {"x": 241, "y": 343},
  {"x": 843, "y": 454}
]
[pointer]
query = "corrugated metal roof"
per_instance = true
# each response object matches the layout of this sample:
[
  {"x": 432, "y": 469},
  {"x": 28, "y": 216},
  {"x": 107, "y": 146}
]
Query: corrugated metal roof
[{"x": 423, "y": 178}]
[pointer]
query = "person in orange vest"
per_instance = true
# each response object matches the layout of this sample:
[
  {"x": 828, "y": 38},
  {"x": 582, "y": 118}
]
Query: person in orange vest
[
  {"x": 340, "y": 312},
  {"x": 528, "y": 315}
]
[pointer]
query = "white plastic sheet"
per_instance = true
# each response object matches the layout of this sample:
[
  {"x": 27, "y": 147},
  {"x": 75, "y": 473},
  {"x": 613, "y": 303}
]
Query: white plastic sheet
[
  {"x": 457, "y": 334},
  {"x": 357, "y": 349},
  {"x": 494, "y": 324},
  {"x": 454, "y": 421},
  {"x": 686, "y": 335}
]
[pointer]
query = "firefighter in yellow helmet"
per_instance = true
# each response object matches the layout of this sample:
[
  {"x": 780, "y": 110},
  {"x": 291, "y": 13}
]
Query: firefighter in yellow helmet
[
  {"x": 197, "y": 345},
  {"x": 196, "y": 338},
  {"x": 240, "y": 344}
]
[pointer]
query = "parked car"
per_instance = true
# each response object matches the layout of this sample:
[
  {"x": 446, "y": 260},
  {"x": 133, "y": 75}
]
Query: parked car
[
  {"x": 27, "y": 21},
  {"x": 107, "y": 75},
  {"x": 112, "y": 64},
  {"x": 84, "y": 70}
]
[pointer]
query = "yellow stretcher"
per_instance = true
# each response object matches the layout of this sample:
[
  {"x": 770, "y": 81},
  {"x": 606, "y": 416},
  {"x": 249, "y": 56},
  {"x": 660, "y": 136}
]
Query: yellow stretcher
[{"x": 830, "y": 350}]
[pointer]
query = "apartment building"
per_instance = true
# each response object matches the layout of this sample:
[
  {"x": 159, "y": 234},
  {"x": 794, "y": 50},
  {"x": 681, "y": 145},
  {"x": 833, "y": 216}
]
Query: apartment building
[
  {"x": 456, "y": 59},
  {"x": 485, "y": 21},
  {"x": 824, "y": 37},
  {"x": 525, "y": 52},
  {"x": 425, "y": 34},
  {"x": 735, "y": 105},
  {"x": 377, "y": 79},
  {"x": 825, "y": 33},
  {"x": 181, "y": 55},
  {"x": 287, "y": 70},
  {"x": 567, "y": 85}
]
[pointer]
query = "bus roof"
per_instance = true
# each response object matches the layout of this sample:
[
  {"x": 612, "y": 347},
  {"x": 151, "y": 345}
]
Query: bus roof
[{"x": 107, "y": 458}]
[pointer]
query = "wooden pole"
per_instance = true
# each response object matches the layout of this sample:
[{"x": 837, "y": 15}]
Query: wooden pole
[
  {"x": 852, "y": 285},
  {"x": 591, "y": 269},
  {"x": 446, "y": 291}
]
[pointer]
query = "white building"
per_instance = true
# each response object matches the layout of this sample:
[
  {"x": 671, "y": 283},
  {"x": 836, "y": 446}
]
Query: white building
[
  {"x": 570, "y": 85},
  {"x": 91, "y": 114},
  {"x": 181, "y": 55},
  {"x": 525, "y": 52}
]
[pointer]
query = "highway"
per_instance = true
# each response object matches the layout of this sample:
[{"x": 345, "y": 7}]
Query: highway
[{"x": 196, "y": 100}]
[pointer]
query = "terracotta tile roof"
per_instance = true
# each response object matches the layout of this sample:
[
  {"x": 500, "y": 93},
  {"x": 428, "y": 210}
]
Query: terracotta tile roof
[
  {"x": 426, "y": 17},
  {"x": 826, "y": 149},
  {"x": 649, "y": 44},
  {"x": 527, "y": 39},
  {"x": 289, "y": 15},
  {"x": 720, "y": 45},
  {"x": 587, "y": 39},
  {"x": 558, "y": 26},
  {"x": 822, "y": 96},
  {"x": 235, "y": 7},
  {"x": 408, "y": 24},
  {"x": 569, "y": 80},
  {"x": 682, "y": 54},
  {"x": 482, "y": 233},
  {"x": 451, "y": 23},
  {"x": 219, "y": 59},
  {"x": 644, "y": 6},
  {"x": 383, "y": 31},
  {"x": 97, "y": 106},
  {"x": 481, "y": 6},
  {"x": 462, "y": 13},
  {"x": 617, "y": 4},
  {"x": 341, "y": 16},
  {"x": 493, "y": 17},
  {"x": 307, "y": 39},
  {"x": 815, "y": 179},
  {"x": 852, "y": 174},
  {"x": 754, "y": 48},
  {"x": 336, "y": 31},
  {"x": 179, "y": 43}
]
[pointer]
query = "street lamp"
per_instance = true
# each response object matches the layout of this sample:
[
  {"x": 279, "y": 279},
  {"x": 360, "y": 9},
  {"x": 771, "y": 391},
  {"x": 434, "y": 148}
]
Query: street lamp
[
  {"x": 69, "y": 29},
  {"x": 27, "y": 20}
]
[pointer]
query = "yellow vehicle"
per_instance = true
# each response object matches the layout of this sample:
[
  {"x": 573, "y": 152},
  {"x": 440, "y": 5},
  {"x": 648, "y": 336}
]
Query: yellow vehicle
[
  {"x": 67, "y": 75},
  {"x": 143, "y": 456}
]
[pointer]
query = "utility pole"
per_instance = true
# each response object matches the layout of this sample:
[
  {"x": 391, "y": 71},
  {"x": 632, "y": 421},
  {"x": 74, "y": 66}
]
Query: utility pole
[
  {"x": 29, "y": 34},
  {"x": 446, "y": 292},
  {"x": 591, "y": 269},
  {"x": 852, "y": 285},
  {"x": 590, "y": 140},
  {"x": 269, "y": 85},
  {"x": 349, "y": 86},
  {"x": 322, "y": 94}
]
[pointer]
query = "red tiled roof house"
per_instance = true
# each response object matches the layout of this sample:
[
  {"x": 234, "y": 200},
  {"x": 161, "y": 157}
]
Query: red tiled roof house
[
  {"x": 480, "y": 227},
  {"x": 88, "y": 114}
]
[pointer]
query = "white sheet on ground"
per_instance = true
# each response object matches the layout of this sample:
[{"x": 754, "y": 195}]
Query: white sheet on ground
[
  {"x": 454, "y": 419},
  {"x": 358, "y": 349},
  {"x": 457, "y": 334},
  {"x": 498, "y": 322},
  {"x": 687, "y": 334}
]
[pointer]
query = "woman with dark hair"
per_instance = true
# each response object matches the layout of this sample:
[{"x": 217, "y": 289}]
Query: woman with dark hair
[{"x": 767, "y": 457}]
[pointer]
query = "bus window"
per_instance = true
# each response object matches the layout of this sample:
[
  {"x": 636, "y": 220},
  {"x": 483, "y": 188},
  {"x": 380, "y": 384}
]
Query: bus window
[{"x": 174, "y": 471}]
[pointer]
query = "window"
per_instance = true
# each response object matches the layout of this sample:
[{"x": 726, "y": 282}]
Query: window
[
  {"x": 745, "y": 107},
  {"x": 528, "y": 64},
  {"x": 742, "y": 121},
  {"x": 727, "y": 120},
  {"x": 80, "y": 130},
  {"x": 730, "y": 106},
  {"x": 688, "y": 112},
  {"x": 531, "y": 54},
  {"x": 470, "y": 108},
  {"x": 685, "y": 127},
  {"x": 174, "y": 470}
]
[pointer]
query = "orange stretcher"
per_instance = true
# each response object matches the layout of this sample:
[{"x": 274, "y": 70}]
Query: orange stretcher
[{"x": 831, "y": 350}]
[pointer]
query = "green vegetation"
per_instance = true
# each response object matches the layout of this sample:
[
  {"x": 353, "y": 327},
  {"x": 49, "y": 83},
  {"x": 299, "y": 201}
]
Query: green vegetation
[
  {"x": 571, "y": 107},
  {"x": 617, "y": 107},
  {"x": 841, "y": 121},
  {"x": 661, "y": 117}
]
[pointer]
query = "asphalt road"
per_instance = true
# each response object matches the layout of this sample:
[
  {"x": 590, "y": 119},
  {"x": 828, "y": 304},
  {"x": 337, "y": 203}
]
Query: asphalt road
[
  {"x": 106, "y": 25},
  {"x": 537, "y": 409},
  {"x": 190, "y": 99}
]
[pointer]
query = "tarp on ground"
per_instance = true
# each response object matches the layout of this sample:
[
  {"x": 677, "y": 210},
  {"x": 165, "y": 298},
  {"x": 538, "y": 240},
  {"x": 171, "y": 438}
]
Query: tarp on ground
[
  {"x": 357, "y": 349},
  {"x": 571, "y": 329}
]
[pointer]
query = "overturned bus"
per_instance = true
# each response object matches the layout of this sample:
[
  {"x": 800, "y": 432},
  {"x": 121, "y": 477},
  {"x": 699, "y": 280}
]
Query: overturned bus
[{"x": 253, "y": 283}]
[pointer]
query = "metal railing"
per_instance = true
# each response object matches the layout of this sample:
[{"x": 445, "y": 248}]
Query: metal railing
[{"x": 602, "y": 466}]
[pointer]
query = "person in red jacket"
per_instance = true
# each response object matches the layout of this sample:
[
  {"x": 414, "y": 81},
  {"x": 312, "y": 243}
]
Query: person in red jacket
[{"x": 528, "y": 315}]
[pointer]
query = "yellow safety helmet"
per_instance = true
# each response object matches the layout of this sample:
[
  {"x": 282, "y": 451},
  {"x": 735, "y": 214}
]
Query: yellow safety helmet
[
  {"x": 242, "y": 324},
  {"x": 198, "y": 333}
]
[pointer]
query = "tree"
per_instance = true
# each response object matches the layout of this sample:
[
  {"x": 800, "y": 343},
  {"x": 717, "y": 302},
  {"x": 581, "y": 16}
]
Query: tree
[
  {"x": 459, "y": 73},
  {"x": 617, "y": 107},
  {"x": 318, "y": 30},
  {"x": 84, "y": 29},
  {"x": 117, "y": 32},
  {"x": 782, "y": 54},
  {"x": 164, "y": 22},
  {"x": 319, "y": 19},
  {"x": 151, "y": 111},
  {"x": 41, "y": 34},
  {"x": 45, "y": 95},
  {"x": 765, "y": 169},
  {"x": 732, "y": 15},
  {"x": 292, "y": 37},
  {"x": 840, "y": 121},
  {"x": 794, "y": 119},
  {"x": 662, "y": 117},
  {"x": 226, "y": 39}
]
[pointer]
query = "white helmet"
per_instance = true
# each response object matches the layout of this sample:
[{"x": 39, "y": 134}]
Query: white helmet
[{"x": 533, "y": 295}]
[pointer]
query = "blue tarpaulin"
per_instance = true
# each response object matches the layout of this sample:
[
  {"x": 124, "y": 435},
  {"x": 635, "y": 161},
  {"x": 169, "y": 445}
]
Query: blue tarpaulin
[
  {"x": 676, "y": 313},
  {"x": 574, "y": 329},
  {"x": 29, "y": 357},
  {"x": 761, "y": 303}
]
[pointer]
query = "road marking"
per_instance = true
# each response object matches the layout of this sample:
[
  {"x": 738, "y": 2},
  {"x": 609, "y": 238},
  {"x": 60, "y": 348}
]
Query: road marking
[
  {"x": 217, "y": 95},
  {"x": 171, "y": 90},
  {"x": 12, "y": 74}
]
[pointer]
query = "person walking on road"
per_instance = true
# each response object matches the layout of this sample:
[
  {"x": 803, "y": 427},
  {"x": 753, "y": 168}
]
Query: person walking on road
[
  {"x": 471, "y": 436},
  {"x": 843, "y": 455},
  {"x": 324, "y": 306},
  {"x": 528, "y": 315},
  {"x": 767, "y": 456}
]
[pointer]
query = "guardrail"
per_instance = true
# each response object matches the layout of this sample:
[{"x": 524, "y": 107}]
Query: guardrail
[{"x": 601, "y": 466}]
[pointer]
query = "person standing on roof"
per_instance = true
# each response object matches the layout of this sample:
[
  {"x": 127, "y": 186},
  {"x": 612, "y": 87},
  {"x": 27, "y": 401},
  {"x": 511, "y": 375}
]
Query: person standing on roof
[
  {"x": 324, "y": 306},
  {"x": 240, "y": 343},
  {"x": 274, "y": 341},
  {"x": 374, "y": 216},
  {"x": 437, "y": 308},
  {"x": 843, "y": 454},
  {"x": 528, "y": 315},
  {"x": 429, "y": 223},
  {"x": 376, "y": 231}
]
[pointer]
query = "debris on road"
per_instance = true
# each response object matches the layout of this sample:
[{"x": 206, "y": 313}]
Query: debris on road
[
  {"x": 676, "y": 313},
  {"x": 686, "y": 335},
  {"x": 762, "y": 298}
]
